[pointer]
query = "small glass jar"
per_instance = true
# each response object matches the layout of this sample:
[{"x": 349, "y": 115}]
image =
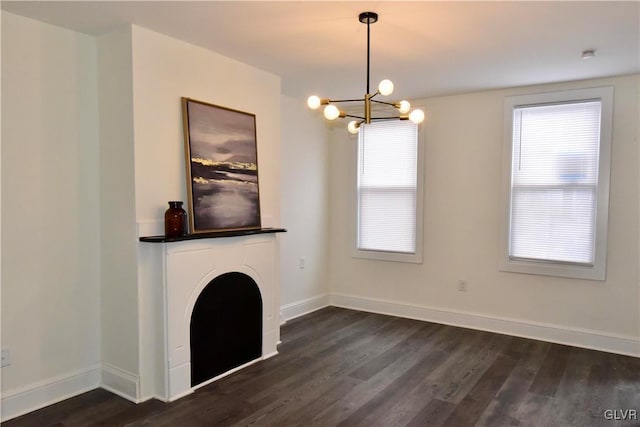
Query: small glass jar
[{"x": 175, "y": 220}]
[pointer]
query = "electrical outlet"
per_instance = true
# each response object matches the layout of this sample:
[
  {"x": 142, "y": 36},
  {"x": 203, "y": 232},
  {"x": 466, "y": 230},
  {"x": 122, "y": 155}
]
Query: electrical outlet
[
  {"x": 462, "y": 286},
  {"x": 6, "y": 361},
  {"x": 303, "y": 262}
]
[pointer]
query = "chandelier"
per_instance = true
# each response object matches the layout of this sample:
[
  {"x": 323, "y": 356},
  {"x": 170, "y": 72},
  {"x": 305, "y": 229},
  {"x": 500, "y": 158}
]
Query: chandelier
[{"x": 385, "y": 88}]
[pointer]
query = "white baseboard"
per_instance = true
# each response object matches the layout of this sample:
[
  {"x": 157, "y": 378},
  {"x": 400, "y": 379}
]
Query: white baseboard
[
  {"x": 120, "y": 382},
  {"x": 300, "y": 308},
  {"x": 596, "y": 340},
  {"x": 48, "y": 392}
]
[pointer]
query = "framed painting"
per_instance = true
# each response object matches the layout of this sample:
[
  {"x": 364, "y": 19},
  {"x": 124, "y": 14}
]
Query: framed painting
[{"x": 222, "y": 167}]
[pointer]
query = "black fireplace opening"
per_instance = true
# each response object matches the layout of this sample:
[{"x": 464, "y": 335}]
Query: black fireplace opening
[{"x": 226, "y": 326}]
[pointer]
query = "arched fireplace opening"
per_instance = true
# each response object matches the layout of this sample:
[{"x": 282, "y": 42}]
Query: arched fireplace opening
[{"x": 226, "y": 326}]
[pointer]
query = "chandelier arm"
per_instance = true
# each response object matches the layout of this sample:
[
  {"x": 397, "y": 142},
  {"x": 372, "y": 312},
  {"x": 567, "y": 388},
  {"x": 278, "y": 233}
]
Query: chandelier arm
[
  {"x": 346, "y": 100},
  {"x": 386, "y": 118},
  {"x": 384, "y": 102},
  {"x": 354, "y": 117}
]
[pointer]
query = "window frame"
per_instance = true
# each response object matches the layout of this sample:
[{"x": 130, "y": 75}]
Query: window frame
[
  {"x": 416, "y": 257},
  {"x": 597, "y": 271}
]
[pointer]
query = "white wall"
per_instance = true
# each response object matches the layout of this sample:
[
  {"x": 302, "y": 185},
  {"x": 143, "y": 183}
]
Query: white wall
[
  {"x": 50, "y": 211},
  {"x": 100, "y": 124},
  {"x": 305, "y": 208},
  {"x": 119, "y": 265},
  {"x": 463, "y": 169},
  {"x": 164, "y": 70}
]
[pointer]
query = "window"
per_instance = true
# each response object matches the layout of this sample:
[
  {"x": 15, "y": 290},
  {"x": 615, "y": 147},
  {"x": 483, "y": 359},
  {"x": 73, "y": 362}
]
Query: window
[
  {"x": 389, "y": 223},
  {"x": 558, "y": 147}
]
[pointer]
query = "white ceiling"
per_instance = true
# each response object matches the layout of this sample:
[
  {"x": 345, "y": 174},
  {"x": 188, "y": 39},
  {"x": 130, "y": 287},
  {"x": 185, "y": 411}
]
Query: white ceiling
[{"x": 426, "y": 48}]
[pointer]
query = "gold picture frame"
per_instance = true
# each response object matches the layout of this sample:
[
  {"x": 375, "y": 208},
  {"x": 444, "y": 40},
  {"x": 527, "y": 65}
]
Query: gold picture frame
[{"x": 221, "y": 159}]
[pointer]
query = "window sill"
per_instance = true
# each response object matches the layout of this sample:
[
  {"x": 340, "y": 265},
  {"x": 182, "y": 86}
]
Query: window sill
[
  {"x": 542, "y": 268},
  {"x": 412, "y": 258}
]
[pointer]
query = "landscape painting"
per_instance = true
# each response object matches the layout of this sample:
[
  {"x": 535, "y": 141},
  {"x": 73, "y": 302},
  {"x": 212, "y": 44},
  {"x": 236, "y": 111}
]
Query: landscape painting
[{"x": 222, "y": 167}]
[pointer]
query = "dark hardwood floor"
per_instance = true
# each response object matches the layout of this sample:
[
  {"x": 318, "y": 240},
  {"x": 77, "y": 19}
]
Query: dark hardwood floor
[{"x": 340, "y": 367}]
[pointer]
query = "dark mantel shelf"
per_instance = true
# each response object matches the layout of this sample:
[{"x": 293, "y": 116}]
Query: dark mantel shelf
[{"x": 212, "y": 235}]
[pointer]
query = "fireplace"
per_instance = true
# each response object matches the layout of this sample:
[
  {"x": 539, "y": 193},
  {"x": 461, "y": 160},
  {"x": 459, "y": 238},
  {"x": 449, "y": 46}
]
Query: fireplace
[
  {"x": 218, "y": 307},
  {"x": 226, "y": 326}
]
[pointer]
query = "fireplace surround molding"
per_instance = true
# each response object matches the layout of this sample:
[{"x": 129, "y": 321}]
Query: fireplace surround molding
[{"x": 186, "y": 268}]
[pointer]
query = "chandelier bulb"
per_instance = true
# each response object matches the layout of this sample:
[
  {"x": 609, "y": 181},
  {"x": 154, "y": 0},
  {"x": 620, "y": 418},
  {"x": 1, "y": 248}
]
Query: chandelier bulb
[
  {"x": 416, "y": 116},
  {"x": 313, "y": 102},
  {"x": 385, "y": 87},
  {"x": 353, "y": 127},
  {"x": 331, "y": 112},
  {"x": 403, "y": 107}
]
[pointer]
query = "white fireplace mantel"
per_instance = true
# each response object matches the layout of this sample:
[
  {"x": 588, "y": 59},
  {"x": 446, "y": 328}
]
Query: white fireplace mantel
[{"x": 175, "y": 273}]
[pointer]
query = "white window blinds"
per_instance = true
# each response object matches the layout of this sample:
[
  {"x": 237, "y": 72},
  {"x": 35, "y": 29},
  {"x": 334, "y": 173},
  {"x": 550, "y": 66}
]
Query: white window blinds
[
  {"x": 387, "y": 181},
  {"x": 554, "y": 182}
]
